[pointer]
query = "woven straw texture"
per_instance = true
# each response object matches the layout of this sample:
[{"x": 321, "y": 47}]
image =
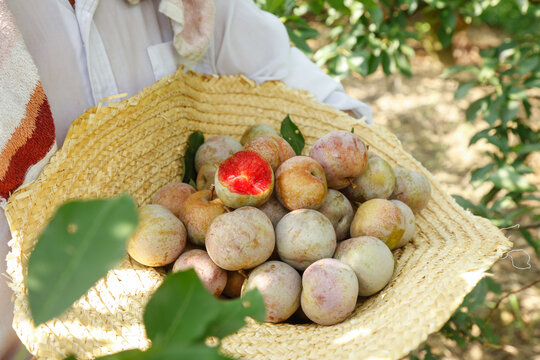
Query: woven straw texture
[{"x": 135, "y": 146}]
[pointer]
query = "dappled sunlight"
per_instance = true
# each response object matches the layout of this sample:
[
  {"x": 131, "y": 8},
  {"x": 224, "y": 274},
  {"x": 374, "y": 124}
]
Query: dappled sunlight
[
  {"x": 472, "y": 277},
  {"x": 352, "y": 335}
]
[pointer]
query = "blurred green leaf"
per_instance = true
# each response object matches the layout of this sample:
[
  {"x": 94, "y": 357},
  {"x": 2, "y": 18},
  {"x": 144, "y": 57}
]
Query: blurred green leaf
[
  {"x": 509, "y": 111},
  {"x": 403, "y": 64},
  {"x": 463, "y": 89},
  {"x": 181, "y": 315},
  {"x": 272, "y": 5},
  {"x": 523, "y": 5},
  {"x": 182, "y": 312},
  {"x": 388, "y": 63},
  {"x": 475, "y": 108},
  {"x": 81, "y": 243},
  {"x": 290, "y": 132},
  {"x": 479, "y": 210},
  {"x": 376, "y": 15},
  {"x": 298, "y": 41},
  {"x": 370, "y": 4},
  {"x": 483, "y": 134},
  {"x": 507, "y": 178},
  {"x": 452, "y": 70},
  {"x": 233, "y": 313},
  {"x": 516, "y": 93},
  {"x": 534, "y": 243},
  {"x": 481, "y": 174},
  {"x": 492, "y": 285},
  {"x": 526, "y": 148},
  {"x": 475, "y": 299},
  {"x": 532, "y": 83},
  {"x": 528, "y": 64},
  {"x": 373, "y": 63},
  {"x": 493, "y": 110},
  {"x": 195, "y": 140}
]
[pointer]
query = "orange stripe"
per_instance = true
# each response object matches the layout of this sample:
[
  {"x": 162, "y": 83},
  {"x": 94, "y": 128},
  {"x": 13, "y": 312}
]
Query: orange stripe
[{"x": 24, "y": 131}]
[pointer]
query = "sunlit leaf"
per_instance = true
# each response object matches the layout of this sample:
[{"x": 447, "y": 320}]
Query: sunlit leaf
[
  {"x": 507, "y": 178},
  {"x": 81, "y": 243},
  {"x": 523, "y": 5}
]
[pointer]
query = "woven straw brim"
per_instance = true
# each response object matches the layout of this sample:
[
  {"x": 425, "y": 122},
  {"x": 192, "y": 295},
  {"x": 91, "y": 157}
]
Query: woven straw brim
[{"x": 135, "y": 146}]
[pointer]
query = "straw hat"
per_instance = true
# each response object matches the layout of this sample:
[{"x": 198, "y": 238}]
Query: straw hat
[{"x": 135, "y": 146}]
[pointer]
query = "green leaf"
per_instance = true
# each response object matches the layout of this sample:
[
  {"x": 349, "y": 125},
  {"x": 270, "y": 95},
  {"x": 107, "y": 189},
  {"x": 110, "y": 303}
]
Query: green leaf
[
  {"x": 527, "y": 107},
  {"x": 463, "y": 89},
  {"x": 516, "y": 213},
  {"x": 516, "y": 93},
  {"x": 484, "y": 134},
  {"x": 403, "y": 64},
  {"x": 180, "y": 311},
  {"x": 508, "y": 178},
  {"x": 338, "y": 5},
  {"x": 526, "y": 148},
  {"x": 523, "y": 5},
  {"x": 290, "y": 132},
  {"x": 509, "y": 111},
  {"x": 413, "y": 5},
  {"x": 452, "y": 70},
  {"x": 373, "y": 63},
  {"x": 475, "y": 299},
  {"x": 298, "y": 41},
  {"x": 446, "y": 29},
  {"x": 467, "y": 204},
  {"x": 233, "y": 312},
  {"x": 532, "y": 83},
  {"x": 481, "y": 173},
  {"x": 475, "y": 108},
  {"x": 531, "y": 197},
  {"x": 272, "y": 5},
  {"x": 388, "y": 63},
  {"x": 376, "y": 15},
  {"x": 83, "y": 240},
  {"x": 528, "y": 64},
  {"x": 535, "y": 244},
  {"x": 195, "y": 140},
  {"x": 493, "y": 286},
  {"x": 492, "y": 113},
  {"x": 370, "y": 4}
]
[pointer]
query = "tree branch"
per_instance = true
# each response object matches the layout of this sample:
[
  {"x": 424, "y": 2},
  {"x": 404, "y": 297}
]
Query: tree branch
[{"x": 490, "y": 315}]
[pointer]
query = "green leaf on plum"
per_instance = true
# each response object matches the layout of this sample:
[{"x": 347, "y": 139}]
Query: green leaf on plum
[
  {"x": 195, "y": 140},
  {"x": 290, "y": 132}
]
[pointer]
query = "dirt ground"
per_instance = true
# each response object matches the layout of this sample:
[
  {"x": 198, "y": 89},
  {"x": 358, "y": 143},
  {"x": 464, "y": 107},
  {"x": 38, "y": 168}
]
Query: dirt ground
[{"x": 423, "y": 114}]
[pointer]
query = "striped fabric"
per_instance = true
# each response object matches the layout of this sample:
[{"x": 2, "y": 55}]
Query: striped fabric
[{"x": 27, "y": 137}]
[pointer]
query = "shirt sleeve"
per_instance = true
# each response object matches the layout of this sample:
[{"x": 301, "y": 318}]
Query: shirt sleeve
[{"x": 255, "y": 43}]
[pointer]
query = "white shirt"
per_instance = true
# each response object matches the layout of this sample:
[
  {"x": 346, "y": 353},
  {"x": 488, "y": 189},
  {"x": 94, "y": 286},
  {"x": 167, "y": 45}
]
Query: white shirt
[{"x": 104, "y": 48}]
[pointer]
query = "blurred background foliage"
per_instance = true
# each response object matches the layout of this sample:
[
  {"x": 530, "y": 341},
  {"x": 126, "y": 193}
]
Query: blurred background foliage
[{"x": 357, "y": 37}]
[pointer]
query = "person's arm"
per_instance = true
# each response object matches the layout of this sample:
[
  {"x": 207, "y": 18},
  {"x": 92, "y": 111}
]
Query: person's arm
[{"x": 255, "y": 43}]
